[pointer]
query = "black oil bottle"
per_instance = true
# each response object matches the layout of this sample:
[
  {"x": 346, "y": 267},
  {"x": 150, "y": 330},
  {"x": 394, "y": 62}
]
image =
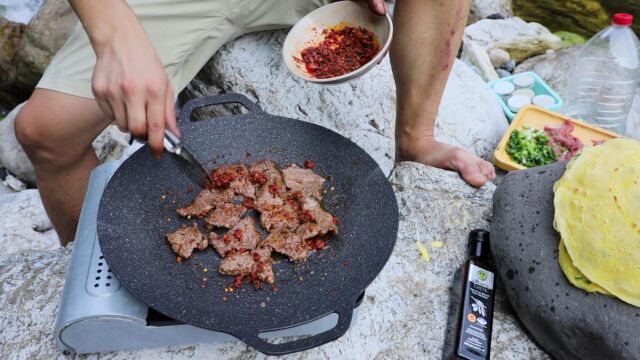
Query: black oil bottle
[{"x": 476, "y": 314}]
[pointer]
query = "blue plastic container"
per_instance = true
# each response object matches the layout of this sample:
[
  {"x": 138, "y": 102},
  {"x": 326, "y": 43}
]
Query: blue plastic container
[{"x": 539, "y": 87}]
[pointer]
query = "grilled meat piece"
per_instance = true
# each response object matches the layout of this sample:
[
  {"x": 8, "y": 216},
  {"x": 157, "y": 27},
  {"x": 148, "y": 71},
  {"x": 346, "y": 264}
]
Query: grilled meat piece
[
  {"x": 283, "y": 217},
  {"x": 234, "y": 177},
  {"x": 226, "y": 215},
  {"x": 286, "y": 243},
  {"x": 302, "y": 180},
  {"x": 187, "y": 238},
  {"x": 237, "y": 264},
  {"x": 206, "y": 200},
  {"x": 266, "y": 172},
  {"x": 242, "y": 236},
  {"x": 264, "y": 265},
  {"x": 257, "y": 263},
  {"x": 317, "y": 220}
]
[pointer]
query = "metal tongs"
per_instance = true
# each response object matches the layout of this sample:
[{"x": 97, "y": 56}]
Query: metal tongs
[{"x": 185, "y": 159}]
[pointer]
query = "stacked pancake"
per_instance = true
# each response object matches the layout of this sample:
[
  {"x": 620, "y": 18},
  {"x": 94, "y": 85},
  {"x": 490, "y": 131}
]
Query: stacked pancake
[{"x": 597, "y": 213}]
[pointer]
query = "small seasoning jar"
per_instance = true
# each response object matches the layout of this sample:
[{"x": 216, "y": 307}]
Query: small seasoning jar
[
  {"x": 523, "y": 81},
  {"x": 517, "y": 102},
  {"x": 544, "y": 101},
  {"x": 525, "y": 92},
  {"x": 504, "y": 89}
]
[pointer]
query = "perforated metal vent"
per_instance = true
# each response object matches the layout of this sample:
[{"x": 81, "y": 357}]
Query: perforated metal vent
[{"x": 100, "y": 280}]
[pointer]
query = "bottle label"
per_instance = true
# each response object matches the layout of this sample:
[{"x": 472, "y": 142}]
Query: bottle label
[{"x": 477, "y": 314}]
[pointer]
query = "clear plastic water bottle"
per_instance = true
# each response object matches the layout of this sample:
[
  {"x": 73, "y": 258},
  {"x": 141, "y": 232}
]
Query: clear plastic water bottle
[{"x": 605, "y": 77}]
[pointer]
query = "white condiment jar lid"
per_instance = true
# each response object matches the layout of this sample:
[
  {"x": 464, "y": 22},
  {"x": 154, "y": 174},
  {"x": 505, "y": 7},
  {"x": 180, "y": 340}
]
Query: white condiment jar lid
[
  {"x": 522, "y": 81},
  {"x": 517, "y": 102},
  {"x": 503, "y": 88},
  {"x": 545, "y": 101},
  {"x": 525, "y": 92}
]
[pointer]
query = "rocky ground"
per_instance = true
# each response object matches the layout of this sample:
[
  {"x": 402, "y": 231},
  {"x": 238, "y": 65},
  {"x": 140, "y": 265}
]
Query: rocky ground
[{"x": 406, "y": 312}]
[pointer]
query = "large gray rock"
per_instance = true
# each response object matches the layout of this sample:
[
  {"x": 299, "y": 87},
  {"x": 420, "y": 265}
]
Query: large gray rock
[
  {"x": 362, "y": 110},
  {"x": 568, "y": 322},
  {"x": 555, "y": 69},
  {"x": 24, "y": 224},
  {"x": 27, "y": 49},
  {"x": 514, "y": 35},
  {"x": 480, "y": 9},
  {"x": 404, "y": 314},
  {"x": 109, "y": 145}
]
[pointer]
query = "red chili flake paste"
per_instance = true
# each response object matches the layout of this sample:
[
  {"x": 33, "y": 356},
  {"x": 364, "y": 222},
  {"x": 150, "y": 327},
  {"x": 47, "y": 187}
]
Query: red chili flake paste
[
  {"x": 306, "y": 216},
  {"x": 259, "y": 177},
  {"x": 226, "y": 239},
  {"x": 273, "y": 189},
  {"x": 256, "y": 257},
  {"x": 248, "y": 203},
  {"x": 343, "y": 50},
  {"x": 336, "y": 220},
  {"x": 237, "y": 282},
  {"x": 309, "y": 164},
  {"x": 260, "y": 267},
  {"x": 223, "y": 179},
  {"x": 316, "y": 244},
  {"x": 238, "y": 234}
]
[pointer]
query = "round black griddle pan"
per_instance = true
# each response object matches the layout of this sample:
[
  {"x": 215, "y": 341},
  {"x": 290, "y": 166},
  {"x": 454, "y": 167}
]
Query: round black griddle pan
[{"x": 138, "y": 208}]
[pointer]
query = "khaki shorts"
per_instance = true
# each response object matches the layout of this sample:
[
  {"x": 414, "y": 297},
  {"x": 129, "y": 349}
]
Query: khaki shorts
[{"x": 185, "y": 34}]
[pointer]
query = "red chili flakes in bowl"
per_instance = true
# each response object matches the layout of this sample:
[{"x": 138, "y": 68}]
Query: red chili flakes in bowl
[{"x": 343, "y": 50}]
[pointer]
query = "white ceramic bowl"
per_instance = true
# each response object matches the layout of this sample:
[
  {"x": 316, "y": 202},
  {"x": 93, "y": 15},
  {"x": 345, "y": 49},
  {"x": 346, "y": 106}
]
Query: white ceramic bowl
[{"x": 308, "y": 31}]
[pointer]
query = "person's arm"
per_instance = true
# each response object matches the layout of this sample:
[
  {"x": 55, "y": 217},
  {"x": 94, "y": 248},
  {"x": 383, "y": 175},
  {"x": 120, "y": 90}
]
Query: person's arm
[{"x": 129, "y": 81}]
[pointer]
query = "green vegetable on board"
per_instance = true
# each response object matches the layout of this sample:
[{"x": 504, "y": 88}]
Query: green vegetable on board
[{"x": 530, "y": 147}]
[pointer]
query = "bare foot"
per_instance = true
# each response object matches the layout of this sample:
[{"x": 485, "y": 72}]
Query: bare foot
[{"x": 473, "y": 169}]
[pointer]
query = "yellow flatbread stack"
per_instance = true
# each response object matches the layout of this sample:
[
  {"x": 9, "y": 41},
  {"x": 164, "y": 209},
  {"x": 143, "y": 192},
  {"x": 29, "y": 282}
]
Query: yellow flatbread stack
[{"x": 597, "y": 213}]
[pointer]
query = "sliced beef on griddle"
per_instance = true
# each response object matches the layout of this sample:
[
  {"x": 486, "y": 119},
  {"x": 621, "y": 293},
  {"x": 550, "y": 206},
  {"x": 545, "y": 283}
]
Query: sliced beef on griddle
[
  {"x": 187, "y": 238},
  {"x": 237, "y": 264},
  {"x": 234, "y": 177},
  {"x": 302, "y": 180},
  {"x": 257, "y": 263},
  {"x": 286, "y": 243},
  {"x": 226, "y": 215},
  {"x": 264, "y": 265},
  {"x": 206, "y": 200},
  {"x": 242, "y": 236},
  {"x": 266, "y": 172},
  {"x": 279, "y": 218},
  {"x": 316, "y": 220}
]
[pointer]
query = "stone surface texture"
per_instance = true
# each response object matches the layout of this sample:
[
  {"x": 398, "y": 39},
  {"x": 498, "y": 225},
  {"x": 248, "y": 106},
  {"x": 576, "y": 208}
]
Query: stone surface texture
[
  {"x": 555, "y": 69},
  {"x": 404, "y": 315},
  {"x": 478, "y": 58},
  {"x": 363, "y": 110},
  {"x": 27, "y": 49},
  {"x": 109, "y": 145},
  {"x": 514, "y": 35},
  {"x": 569, "y": 322},
  {"x": 499, "y": 57},
  {"x": 585, "y": 17},
  {"x": 25, "y": 225},
  {"x": 480, "y": 9}
]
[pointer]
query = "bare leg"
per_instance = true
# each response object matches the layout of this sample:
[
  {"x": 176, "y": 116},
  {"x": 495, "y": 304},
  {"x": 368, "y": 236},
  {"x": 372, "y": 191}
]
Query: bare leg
[
  {"x": 428, "y": 35},
  {"x": 56, "y": 131}
]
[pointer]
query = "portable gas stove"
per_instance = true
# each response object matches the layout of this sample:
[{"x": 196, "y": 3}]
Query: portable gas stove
[{"x": 98, "y": 315}]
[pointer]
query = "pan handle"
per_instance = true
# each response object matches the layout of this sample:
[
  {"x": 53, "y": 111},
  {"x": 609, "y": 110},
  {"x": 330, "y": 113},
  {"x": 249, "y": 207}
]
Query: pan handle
[
  {"x": 191, "y": 105},
  {"x": 345, "y": 314}
]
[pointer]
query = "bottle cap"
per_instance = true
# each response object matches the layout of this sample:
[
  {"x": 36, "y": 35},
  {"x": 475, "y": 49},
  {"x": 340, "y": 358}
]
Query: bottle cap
[
  {"x": 479, "y": 243},
  {"x": 623, "y": 19}
]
